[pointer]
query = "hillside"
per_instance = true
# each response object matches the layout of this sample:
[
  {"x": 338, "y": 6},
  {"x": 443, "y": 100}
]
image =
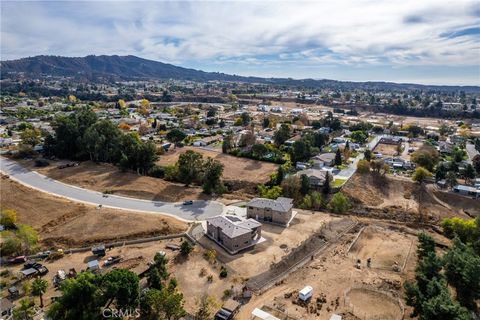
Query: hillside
[{"x": 131, "y": 68}]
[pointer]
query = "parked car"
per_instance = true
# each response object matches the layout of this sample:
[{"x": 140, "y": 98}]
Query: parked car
[
  {"x": 112, "y": 260},
  {"x": 19, "y": 259},
  {"x": 188, "y": 202}
]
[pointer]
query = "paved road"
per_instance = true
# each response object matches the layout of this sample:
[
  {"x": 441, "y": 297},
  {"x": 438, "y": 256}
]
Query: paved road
[
  {"x": 200, "y": 210},
  {"x": 471, "y": 151}
]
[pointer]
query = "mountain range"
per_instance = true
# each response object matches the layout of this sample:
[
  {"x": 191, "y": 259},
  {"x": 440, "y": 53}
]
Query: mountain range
[{"x": 100, "y": 68}]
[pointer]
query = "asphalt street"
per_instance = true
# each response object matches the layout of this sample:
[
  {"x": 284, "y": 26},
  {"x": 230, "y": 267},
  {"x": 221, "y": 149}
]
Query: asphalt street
[{"x": 199, "y": 210}]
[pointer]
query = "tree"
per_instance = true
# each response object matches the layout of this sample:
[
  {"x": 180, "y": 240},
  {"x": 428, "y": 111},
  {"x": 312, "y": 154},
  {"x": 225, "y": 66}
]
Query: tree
[
  {"x": 121, "y": 104},
  {"x": 421, "y": 175},
  {"x": 326, "y": 184},
  {"x": 317, "y": 201},
  {"x": 339, "y": 203},
  {"x": 282, "y": 134},
  {"x": 162, "y": 304},
  {"x": 291, "y": 188},
  {"x": 186, "y": 248},
  {"x": 338, "y": 157},
  {"x": 469, "y": 172},
  {"x": 25, "y": 311},
  {"x": 121, "y": 286},
  {"x": 359, "y": 136},
  {"x": 462, "y": 270},
  {"x": 363, "y": 166},
  {"x": 467, "y": 230},
  {"x": 426, "y": 157},
  {"x": 245, "y": 118},
  {"x": 212, "y": 174},
  {"x": 81, "y": 298},
  {"x": 101, "y": 141},
  {"x": 189, "y": 167},
  {"x": 368, "y": 155},
  {"x": 259, "y": 150},
  {"x": 39, "y": 287},
  {"x": 280, "y": 175},
  {"x": 8, "y": 218},
  {"x": 30, "y": 137},
  {"x": 248, "y": 139},
  {"x": 175, "y": 136},
  {"x": 304, "y": 184},
  {"x": 426, "y": 245},
  {"x": 269, "y": 192},
  {"x": 451, "y": 179}
]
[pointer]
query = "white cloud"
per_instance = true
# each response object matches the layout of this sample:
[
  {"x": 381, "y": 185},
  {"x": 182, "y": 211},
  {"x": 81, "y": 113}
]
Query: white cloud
[{"x": 352, "y": 33}]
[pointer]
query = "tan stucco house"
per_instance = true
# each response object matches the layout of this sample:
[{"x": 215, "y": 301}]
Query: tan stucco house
[
  {"x": 234, "y": 233},
  {"x": 271, "y": 211}
]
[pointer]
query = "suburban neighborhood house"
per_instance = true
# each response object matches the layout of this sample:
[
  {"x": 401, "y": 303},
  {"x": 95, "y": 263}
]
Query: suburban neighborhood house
[
  {"x": 315, "y": 177},
  {"x": 273, "y": 211},
  {"x": 234, "y": 233}
]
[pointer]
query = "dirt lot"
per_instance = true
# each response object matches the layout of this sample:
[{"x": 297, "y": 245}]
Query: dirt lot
[
  {"x": 279, "y": 242},
  {"x": 66, "y": 223},
  {"x": 236, "y": 168},
  {"x": 106, "y": 177},
  {"x": 384, "y": 247},
  {"x": 136, "y": 257},
  {"x": 387, "y": 150},
  {"x": 397, "y": 198},
  {"x": 331, "y": 275}
]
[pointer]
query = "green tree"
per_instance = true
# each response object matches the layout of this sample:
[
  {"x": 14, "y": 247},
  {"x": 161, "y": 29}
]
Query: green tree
[
  {"x": 272, "y": 192},
  {"x": 212, "y": 174},
  {"x": 359, "y": 136},
  {"x": 363, "y": 166},
  {"x": 207, "y": 307},
  {"x": 259, "y": 150},
  {"x": 190, "y": 167},
  {"x": 421, "y": 175},
  {"x": 39, "y": 287},
  {"x": 245, "y": 118},
  {"x": 426, "y": 157},
  {"x": 426, "y": 245},
  {"x": 31, "y": 137},
  {"x": 338, "y": 157},
  {"x": 25, "y": 311},
  {"x": 368, "y": 155},
  {"x": 121, "y": 286},
  {"x": 339, "y": 203},
  {"x": 282, "y": 134},
  {"x": 175, "y": 136},
  {"x": 304, "y": 184},
  {"x": 291, "y": 188},
  {"x": 102, "y": 141},
  {"x": 451, "y": 179},
  {"x": 162, "y": 304},
  {"x": 8, "y": 218},
  {"x": 326, "y": 184},
  {"x": 186, "y": 248},
  {"x": 462, "y": 269}
]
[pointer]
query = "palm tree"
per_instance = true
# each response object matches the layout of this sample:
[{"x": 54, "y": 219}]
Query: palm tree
[{"x": 39, "y": 286}]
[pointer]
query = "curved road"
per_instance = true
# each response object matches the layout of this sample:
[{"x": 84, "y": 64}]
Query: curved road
[{"x": 199, "y": 210}]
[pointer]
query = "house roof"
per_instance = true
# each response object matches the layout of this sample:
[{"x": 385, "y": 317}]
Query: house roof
[
  {"x": 319, "y": 174},
  {"x": 233, "y": 226},
  {"x": 281, "y": 204},
  {"x": 326, "y": 157}
]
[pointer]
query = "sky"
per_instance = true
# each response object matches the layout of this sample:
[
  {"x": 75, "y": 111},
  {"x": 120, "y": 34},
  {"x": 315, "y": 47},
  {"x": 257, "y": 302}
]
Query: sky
[{"x": 415, "y": 41}]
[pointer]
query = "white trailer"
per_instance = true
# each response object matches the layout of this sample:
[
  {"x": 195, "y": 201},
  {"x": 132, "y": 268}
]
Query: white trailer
[{"x": 306, "y": 293}]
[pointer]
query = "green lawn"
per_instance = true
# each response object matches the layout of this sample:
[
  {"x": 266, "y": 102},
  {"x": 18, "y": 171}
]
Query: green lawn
[{"x": 338, "y": 182}]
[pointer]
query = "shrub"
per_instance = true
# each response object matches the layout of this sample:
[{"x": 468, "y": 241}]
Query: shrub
[
  {"x": 363, "y": 166},
  {"x": 339, "y": 203},
  {"x": 223, "y": 273},
  {"x": 156, "y": 172}
]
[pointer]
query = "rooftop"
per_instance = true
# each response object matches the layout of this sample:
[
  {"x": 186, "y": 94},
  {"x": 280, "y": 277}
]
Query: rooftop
[{"x": 233, "y": 226}]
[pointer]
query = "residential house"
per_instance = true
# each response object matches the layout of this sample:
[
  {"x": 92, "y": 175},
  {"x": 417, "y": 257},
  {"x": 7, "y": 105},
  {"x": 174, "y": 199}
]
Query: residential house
[
  {"x": 234, "y": 233},
  {"x": 207, "y": 140},
  {"x": 273, "y": 211},
  {"x": 316, "y": 177},
  {"x": 328, "y": 159}
]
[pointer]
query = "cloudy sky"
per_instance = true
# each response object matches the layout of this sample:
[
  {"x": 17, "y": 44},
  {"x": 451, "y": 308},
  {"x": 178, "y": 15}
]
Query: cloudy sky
[{"x": 422, "y": 41}]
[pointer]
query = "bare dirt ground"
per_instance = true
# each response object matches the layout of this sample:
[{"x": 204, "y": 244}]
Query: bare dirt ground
[
  {"x": 397, "y": 198},
  {"x": 241, "y": 169},
  {"x": 383, "y": 246},
  {"x": 332, "y": 274},
  {"x": 66, "y": 223},
  {"x": 106, "y": 177},
  {"x": 389, "y": 150},
  {"x": 279, "y": 242}
]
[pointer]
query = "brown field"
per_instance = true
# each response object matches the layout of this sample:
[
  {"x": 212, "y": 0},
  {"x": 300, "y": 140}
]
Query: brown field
[
  {"x": 106, "y": 177},
  {"x": 384, "y": 247},
  {"x": 386, "y": 149},
  {"x": 332, "y": 274},
  {"x": 64, "y": 223},
  {"x": 237, "y": 169},
  {"x": 400, "y": 198}
]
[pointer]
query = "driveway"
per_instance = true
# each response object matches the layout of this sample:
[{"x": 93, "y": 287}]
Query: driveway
[{"x": 199, "y": 210}]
